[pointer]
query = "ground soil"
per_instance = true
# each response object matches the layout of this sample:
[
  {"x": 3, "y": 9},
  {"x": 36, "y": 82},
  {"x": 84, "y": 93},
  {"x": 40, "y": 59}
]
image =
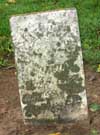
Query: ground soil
[{"x": 11, "y": 120}]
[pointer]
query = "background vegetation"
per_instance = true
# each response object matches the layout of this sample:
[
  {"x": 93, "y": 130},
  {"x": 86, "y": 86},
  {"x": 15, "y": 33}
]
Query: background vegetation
[{"x": 89, "y": 22}]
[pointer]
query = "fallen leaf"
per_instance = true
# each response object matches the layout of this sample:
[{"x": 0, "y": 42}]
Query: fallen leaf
[
  {"x": 55, "y": 133},
  {"x": 11, "y": 1},
  {"x": 94, "y": 107},
  {"x": 98, "y": 69}
]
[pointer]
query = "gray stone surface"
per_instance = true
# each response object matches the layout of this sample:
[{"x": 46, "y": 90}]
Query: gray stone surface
[{"x": 50, "y": 67}]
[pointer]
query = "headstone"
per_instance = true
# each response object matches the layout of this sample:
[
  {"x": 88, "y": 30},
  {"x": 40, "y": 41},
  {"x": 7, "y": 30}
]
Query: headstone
[{"x": 50, "y": 67}]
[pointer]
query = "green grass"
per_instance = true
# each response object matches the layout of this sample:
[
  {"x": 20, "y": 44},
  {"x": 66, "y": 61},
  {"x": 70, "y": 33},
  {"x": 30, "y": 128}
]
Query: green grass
[{"x": 89, "y": 22}]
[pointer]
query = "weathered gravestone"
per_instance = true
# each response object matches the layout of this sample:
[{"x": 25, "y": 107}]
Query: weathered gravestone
[{"x": 50, "y": 67}]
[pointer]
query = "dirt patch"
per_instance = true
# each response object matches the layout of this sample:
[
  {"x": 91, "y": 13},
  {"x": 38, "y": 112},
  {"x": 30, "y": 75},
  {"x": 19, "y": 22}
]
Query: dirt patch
[
  {"x": 93, "y": 95},
  {"x": 11, "y": 120}
]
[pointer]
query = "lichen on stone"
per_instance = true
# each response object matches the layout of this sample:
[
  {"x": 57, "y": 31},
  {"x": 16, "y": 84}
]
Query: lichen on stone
[{"x": 49, "y": 61}]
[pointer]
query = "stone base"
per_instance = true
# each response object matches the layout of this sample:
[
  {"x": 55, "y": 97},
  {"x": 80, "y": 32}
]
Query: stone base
[{"x": 68, "y": 128}]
